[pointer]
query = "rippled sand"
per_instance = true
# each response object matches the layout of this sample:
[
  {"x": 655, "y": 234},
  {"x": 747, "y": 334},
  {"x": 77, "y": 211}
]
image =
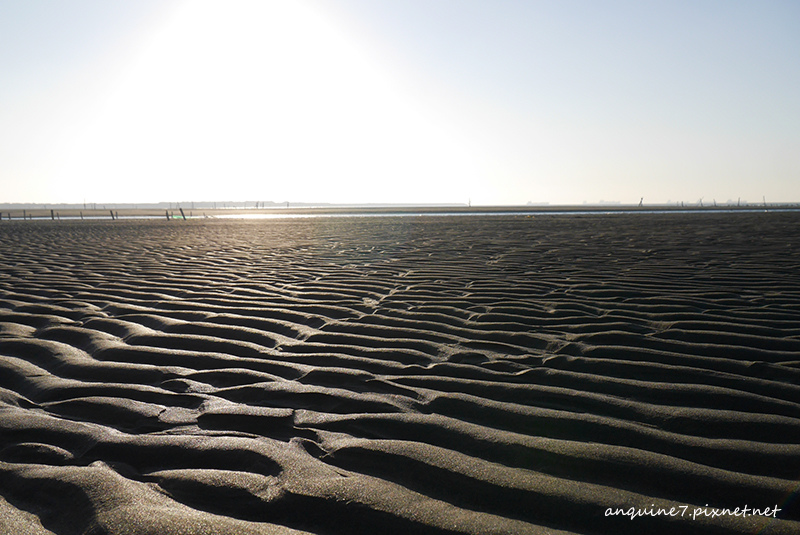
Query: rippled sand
[{"x": 399, "y": 375}]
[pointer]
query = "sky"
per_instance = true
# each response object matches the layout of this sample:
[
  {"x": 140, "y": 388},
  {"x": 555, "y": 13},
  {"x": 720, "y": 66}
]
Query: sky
[{"x": 489, "y": 102}]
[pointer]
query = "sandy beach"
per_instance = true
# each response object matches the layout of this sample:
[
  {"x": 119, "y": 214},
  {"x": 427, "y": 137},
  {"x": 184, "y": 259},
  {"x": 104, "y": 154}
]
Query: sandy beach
[{"x": 401, "y": 375}]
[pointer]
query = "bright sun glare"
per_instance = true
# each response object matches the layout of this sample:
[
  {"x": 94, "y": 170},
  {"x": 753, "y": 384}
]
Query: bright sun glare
[{"x": 262, "y": 101}]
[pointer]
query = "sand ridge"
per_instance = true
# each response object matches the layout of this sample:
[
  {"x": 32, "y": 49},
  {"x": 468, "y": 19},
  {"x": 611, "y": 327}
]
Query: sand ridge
[{"x": 485, "y": 374}]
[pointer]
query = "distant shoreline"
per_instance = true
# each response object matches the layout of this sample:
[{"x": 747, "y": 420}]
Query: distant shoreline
[{"x": 178, "y": 211}]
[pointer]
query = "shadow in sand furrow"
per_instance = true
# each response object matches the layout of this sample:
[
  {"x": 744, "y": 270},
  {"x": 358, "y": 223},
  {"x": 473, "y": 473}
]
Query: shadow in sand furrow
[
  {"x": 660, "y": 393},
  {"x": 298, "y": 313},
  {"x": 143, "y": 393},
  {"x": 626, "y": 465},
  {"x": 37, "y": 321},
  {"x": 86, "y": 339},
  {"x": 87, "y": 442},
  {"x": 21, "y": 427},
  {"x": 442, "y": 296},
  {"x": 81, "y": 367},
  {"x": 747, "y": 368},
  {"x": 118, "y": 327},
  {"x": 155, "y": 322},
  {"x": 196, "y": 342},
  {"x": 504, "y": 348},
  {"x": 223, "y": 332},
  {"x": 339, "y": 298},
  {"x": 118, "y": 413},
  {"x": 543, "y": 312},
  {"x": 664, "y": 415},
  {"x": 771, "y": 457},
  {"x": 282, "y": 322},
  {"x": 459, "y": 308},
  {"x": 756, "y": 315},
  {"x": 47, "y": 309},
  {"x": 456, "y": 317},
  {"x": 16, "y": 330},
  {"x": 47, "y": 354},
  {"x": 39, "y": 386},
  {"x": 349, "y": 290},
  {"x": 464, "y": 365},
  {"x": 538, "y": 419},
  {"x": 44, "y": 290},
  {"x": 730, "y": 339},
  {"x": 164, "y": 452},
  {"x": 686, "y": 348},
  {"x": 336, "y": 340},
  {"x": 196, "y": 360},
  {"x": 165, "y": 310},
  {"x": 476, "y": 484},
  {"x": 294, "y": 395},
  {"x": 274, "y": 423},
  {"x": 126, "y": 293},
  {"x": 608, "y": 366},
  {"x": 220, "y": 378},
  {"x": 740, "y": 328},
  {"x": 323, "y": 358},
  {"x": 716, "y": 350},
  {"x": 313, "y": 514},
  {"x": 404, "y": 357},
  {"x": 377, "y": 330},
  {"x": 409, "y": 322},
  {"x": 356, "y": 380},
  {"x": 97, "y": 499}
]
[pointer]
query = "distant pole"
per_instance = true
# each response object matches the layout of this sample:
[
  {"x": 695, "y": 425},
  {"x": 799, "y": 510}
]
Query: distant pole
[
  {"x": 52, "y": 215},
  {"x": 167, "y": 214},
  {"x": 764, "y": 198},
  {"x": 184, "y": 215},
  {"x": 82, "y": 215},
  {"x": 112, "y": 214}
]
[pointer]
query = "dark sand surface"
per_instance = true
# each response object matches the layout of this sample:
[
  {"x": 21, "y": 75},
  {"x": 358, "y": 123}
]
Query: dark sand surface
[{"x": 400, "y": 375}]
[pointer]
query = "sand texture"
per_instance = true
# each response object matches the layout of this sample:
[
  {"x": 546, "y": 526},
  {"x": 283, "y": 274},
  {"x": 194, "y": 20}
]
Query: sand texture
[{"x": 400, "y": 375}]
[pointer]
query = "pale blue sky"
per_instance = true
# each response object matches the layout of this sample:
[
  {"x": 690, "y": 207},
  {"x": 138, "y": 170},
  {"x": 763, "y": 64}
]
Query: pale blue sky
[{"x": 500, "y": 102}]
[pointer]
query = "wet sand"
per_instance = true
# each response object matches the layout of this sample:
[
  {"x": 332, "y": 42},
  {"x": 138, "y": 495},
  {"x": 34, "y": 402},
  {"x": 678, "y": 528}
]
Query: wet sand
[{"x": 472, "y": 374}]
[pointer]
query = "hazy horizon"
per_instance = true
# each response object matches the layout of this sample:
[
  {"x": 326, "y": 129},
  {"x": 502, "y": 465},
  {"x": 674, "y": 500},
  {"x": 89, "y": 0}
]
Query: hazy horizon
[{"x": 381, "y": 102}]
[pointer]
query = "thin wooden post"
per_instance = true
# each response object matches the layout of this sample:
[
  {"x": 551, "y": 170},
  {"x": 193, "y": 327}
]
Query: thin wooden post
[
  {"x": 166, "y": 212},
  {"x": 52, "y": 215},
  {"x": 112, "y": 214},
  {"x": 184, "y": 215}
]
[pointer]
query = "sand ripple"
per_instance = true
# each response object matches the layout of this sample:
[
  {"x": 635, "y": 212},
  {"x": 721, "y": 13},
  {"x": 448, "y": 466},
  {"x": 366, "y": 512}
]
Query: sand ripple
[{"x": 399, "y": 375}]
